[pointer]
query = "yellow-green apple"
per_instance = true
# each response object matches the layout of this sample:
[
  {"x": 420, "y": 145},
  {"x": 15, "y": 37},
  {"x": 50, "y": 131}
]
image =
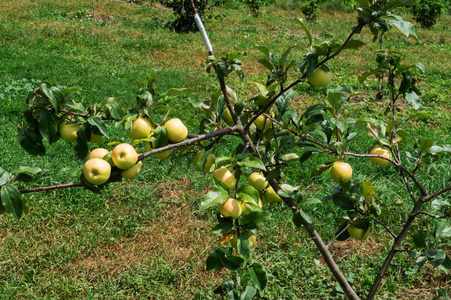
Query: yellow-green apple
[
  {"x": 133, "y": 171},
  {"x": 96, "y": 171},
  {"x": 210, "y": 161},
  {"x": 124, "y": 156},
  {"x": 320, "y": 77},
  {"x": 260, "y": 121},
  {"x": 160, "y": 155},
  {"x": 98, "y": 153},
  {"x": 270, "y": 196},
  {"x": 341, "y": 172},
  {"x": 251, "y": 237},
  {"x": 382, "y": 152},
  {"x": 68, "y": 131},
  {"x": 224, "y": 175},
  {"x": 96, "y": 138},
  {"x": 227, "y": 116},
  {"x": 230, "y": 208},
  {"x": 140, "y": 129},
  {"x": 257, "y": 181},
  {"x": 177, "y": 131},
  {"x": 359, "y": 230}
]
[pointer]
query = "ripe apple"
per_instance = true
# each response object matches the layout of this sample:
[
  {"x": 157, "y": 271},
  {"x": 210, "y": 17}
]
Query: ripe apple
[
  {"x": 96, "y": 138},
  {"x": 359, "y": 230},
  {"x": 68, "y": 131},
  {"x": 320, "y": 77},
  {"x": 210, "y": 161},
  {"x": 270, "y": 196},
  {"x": 341, "y": 172},
  {"x": 224, "y": 175},
  {"x": 177, "y": 131},
  {"x": 382, "y": 152},
  {"x": 160, "y": 155},
  {"x": 245, "y": 211},
  {"x": 230, "y": 208},
  {"x": 140, "y": 129},
  {"x": 97, "y": 171},
  {"x": 252, "y": 238},
  {"x": 260, "y": 121},
  {"x": 257, "y": 181},
  {"x": 227, "y": 116},
  {"x": 98, "y": 153},
  {"x": 124, "y": 156},
  {"x": 133, "y": 171}
]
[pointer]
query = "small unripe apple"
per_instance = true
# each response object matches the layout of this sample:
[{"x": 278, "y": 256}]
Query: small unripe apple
[
  {"x": 230, "y": 208},
  {"x": 224, "y": 175},
  {"x": 96, "y": 138},
  {"x": 68, "y": 131},
  {"x": 177, "y": 131},
  {"x": 96, "y": 171},
  {"x": 227, "y": 116},
  {"x": 270, "y": 196},
  {"x": 140, "y": 129},
  {"x": 124, "y": 156},
  {"x": 341, "y": 172},
  {"x": 133, "y": 171},
  {"x": 359, "y": 230},
  {"x": 320, "y": 77},
  {"x": 260, "y": 121},
  {"x": 382, "y": 152},
  {"x": 210, "y": 161},
  {"x": 98, "y": 153},
  {"x": 257, "y": 181}
]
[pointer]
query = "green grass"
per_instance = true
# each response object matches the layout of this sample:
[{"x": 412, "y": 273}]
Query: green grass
[{"x": 145, "y": 238}]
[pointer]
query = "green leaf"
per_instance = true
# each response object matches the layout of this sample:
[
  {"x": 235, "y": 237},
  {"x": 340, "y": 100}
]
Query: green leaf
[
  {"x": 307, "y": 32},
  {"x": 222, "y": 228},
  {"x": 48, "y": 127},
  {"x": 419, "y": 239},
  {"x": 252, "y": 162},
  {"x": 161, "y": 137},
  {"x": 216, "y": 196},
  {"x": 115, "y": 110},
  {"x": 31, "y": 141},
  {"x": 26, "y": 170},
  {"x": 214, "y": 262},
  {"x": 82, "y": 144},
  {"x": 175, "y": 91},
  {"x": 367, "y": 190},
  {"x": 258, "y": 276},
  {"x": 345, "y": 235},
  {"x": 70, "y": 90},
  {"x": 249, "y": 293},
  {"x": 253, "y": 219},
  {"x": 424, "y": 144},
  {"x": 231, "y": 262},
  {"x": 290, "y": 157},
  {"x": 354, "y": 44},
  {"x": 97, "y": 122},
  {"x": 248, "y": 193},
  {"x": 436, "y": 256},
  {"x": 343, "y": 201},
  {"x": 12, "y": 200},
  {"x": 4, "y": 176},
  {"x": 243, "y": 246},
  {"x": 404, "y": 26},
  {"x": 413, "y": 99},
  {"x": 300, "y": 215}
]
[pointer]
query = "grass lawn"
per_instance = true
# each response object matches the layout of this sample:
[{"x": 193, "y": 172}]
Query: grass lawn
[{"x": 146, "y": 238}]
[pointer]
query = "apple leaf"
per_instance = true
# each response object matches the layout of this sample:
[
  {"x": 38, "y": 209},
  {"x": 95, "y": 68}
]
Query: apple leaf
[
  {"x": 82, "y": 145},
  {"x": 48, "y": 127},
  {"x": 4, "y": 176},
  {"x": 345, "y": 235},
  {"x": 161, "y": 137},
  {"x": 115, "y": 110},
  {"x": 231, "y": 262},
  {"x": 419, "y": 239},
  {"x": 436, "y": 256},
  {"x": 213, "y": 261},
  {"x": 252, "y": 162},
  {"x": 253, "y": 219},
  {"x": 258, "y": 276},
  {"x": 216, "y": 196},
  {"x": 343, "y": 201},
  {"x": 31, "y": 141},
  {"x": 243, "y": 246},
  {"x": 222, "y": 228},
  {"x": 413, "y": 99},
  {"x": 249, "y": 293},
  {"x": 97, "y": 122},
  {"x": 12, "y": 200},
  {"x": 250, "y": 191},
  {"x": 367, "y": 190},
  {"x": 424, "y": 144}
]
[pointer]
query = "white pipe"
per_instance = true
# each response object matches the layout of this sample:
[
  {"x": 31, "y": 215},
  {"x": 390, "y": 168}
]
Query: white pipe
[{"x": 204, "y": 33}]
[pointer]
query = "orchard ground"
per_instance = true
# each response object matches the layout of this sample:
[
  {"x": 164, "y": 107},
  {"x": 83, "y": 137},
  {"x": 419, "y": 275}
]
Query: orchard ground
[{"x": 145, "y": 238}]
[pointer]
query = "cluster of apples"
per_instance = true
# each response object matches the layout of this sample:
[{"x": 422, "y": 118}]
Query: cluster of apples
[{"x": 97, "y": 169}]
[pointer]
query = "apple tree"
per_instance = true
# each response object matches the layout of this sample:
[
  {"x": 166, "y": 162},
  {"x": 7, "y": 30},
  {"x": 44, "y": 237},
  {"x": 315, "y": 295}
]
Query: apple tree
[{"x": 273, "y": 138}]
